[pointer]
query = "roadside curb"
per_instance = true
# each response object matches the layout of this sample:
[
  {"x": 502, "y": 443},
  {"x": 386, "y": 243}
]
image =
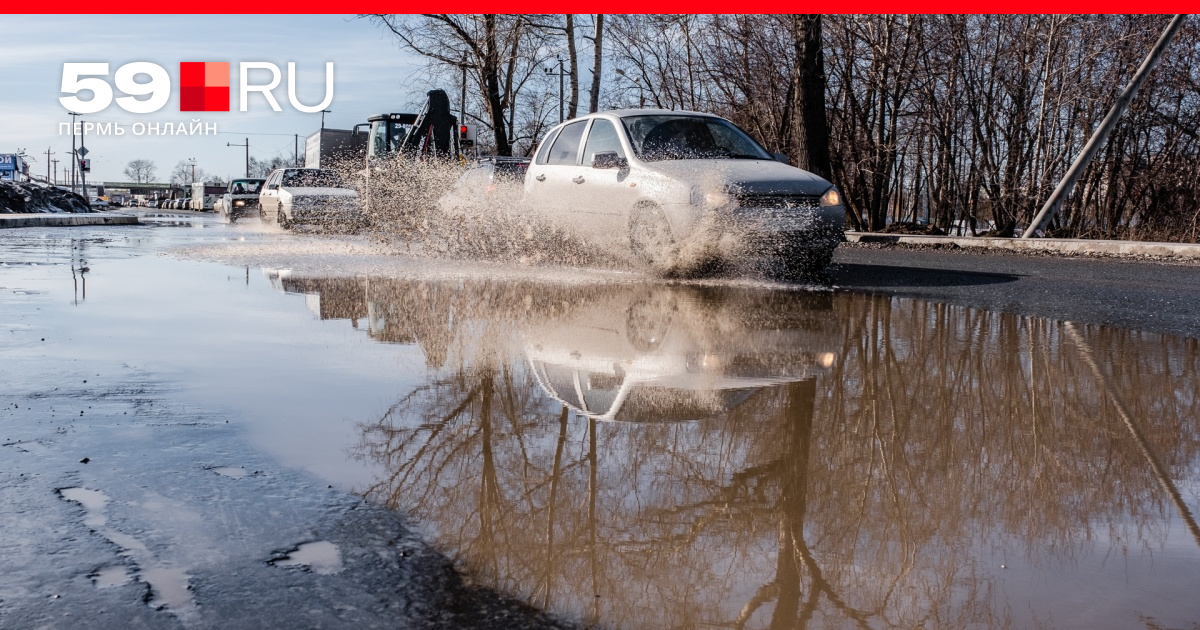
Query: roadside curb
[
  {"x": 1063, "y": 245},
  {"x": 65, "y": 220}
]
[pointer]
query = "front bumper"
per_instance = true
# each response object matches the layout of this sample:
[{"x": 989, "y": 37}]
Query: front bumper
[
  {"x": 787, "y": 229},
  {"x": 339, "y": 213},
  {"x": 247, "y": 209}
]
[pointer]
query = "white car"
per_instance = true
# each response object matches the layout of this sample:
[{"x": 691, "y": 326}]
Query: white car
[
  {"x": 659, "y": 183},
  {"x": 239, "y": 200},
  {"x": 294, "y": 196}
]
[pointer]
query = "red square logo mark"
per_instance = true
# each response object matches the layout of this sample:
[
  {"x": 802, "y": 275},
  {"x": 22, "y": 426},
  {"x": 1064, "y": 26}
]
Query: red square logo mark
[{"x": 204, "y": 86}]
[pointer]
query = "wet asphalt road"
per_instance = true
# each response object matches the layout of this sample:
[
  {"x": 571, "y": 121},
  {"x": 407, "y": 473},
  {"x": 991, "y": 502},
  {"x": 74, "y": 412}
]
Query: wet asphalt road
[
  {"x": 1134, "y": 294},
  {"x": 191, "y": 526}
]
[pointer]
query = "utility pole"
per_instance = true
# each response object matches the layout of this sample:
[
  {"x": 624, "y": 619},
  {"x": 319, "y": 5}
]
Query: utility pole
[
  {"x": 55, "y": 171},
  {"x": 560, "y": 74},
  {"x": 462, "y": 109},
  {"x": 1101, "y": 134},
  {"x": 74, "y": 157},
  {"x": 247, "y": 145},
  {"x": 82, "y": 175},
  {"x": 296, "y": 150},
  {"x": 323, "y": 112},
  {"x": 193, "y": 164},
  {"x": 48, "y": 154}
]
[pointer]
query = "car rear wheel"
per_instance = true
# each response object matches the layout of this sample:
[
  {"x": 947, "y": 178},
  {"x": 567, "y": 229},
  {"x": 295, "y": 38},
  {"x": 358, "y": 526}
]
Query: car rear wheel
[
  {"x": 282, "y": 219},
  {"x": 650, "y": 237}
]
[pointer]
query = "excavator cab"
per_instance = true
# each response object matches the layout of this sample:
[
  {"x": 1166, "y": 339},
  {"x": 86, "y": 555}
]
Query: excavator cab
[{"x": 387, "y": 132}]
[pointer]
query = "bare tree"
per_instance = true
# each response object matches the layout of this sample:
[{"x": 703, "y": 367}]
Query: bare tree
[
  {"x": 597, "y": 63},
  {"x": 490, "y": 47},
  {"x": 262, "y": 168},
  {"x": 810, "y": 129},
  {"x": 140, "y": 171},
  {"x": 186, "y": 173}
]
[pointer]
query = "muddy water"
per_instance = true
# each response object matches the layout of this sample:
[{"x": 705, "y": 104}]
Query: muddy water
[{"x": 636, "y": 454}]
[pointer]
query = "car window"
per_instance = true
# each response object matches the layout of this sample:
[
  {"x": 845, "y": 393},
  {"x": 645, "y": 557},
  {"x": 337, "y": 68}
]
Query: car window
[
  {"x": 603, "y": 137},
  {"x": 561, "y": 379},
  {"x": 674, "y": 137},
  {"x": 245, "y": 186},
  {"x": 566, "y": 146},
  {"x": 544, "y": 152}
]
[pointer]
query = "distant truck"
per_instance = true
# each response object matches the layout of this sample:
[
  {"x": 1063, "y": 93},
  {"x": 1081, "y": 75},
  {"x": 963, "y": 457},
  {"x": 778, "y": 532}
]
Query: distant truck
[{"x": 327, "y": 147}]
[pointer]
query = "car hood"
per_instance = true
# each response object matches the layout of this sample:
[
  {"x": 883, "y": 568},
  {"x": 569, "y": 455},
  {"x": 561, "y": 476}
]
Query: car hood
[
  {"x": 748, "y": 176},
  {"x": 303, "y": 191}
]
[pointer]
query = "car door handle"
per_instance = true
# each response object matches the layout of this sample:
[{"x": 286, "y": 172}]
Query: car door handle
[
  {"x": 540, "y": 178},
  {"x": 578, "y": 180}
]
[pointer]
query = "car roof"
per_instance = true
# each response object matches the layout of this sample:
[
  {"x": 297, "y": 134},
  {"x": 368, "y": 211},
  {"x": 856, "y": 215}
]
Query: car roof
[{"x": 654, "y": 112}]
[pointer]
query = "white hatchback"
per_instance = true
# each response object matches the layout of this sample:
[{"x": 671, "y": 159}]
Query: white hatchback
[
  {"x": 292, "y": 196},
  {"x": 662, "y": 182}
]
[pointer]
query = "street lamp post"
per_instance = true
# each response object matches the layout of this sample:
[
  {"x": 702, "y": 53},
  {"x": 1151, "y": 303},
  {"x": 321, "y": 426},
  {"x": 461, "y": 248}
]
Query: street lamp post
[
  {"x": 244, "y": 144},
  {"x": 323, "y": 112},
  {"x": 560, "y": 74}
]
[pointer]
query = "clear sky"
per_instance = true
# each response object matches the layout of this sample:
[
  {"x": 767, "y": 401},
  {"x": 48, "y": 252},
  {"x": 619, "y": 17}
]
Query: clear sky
[{"x": 371, "y": 75}]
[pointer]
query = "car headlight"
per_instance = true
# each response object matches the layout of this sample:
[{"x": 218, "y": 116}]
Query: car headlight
[
  {"x": 239, "y": 203},
  {"x": 831, "y": 198},
  {"x": 710, "y": 198}
]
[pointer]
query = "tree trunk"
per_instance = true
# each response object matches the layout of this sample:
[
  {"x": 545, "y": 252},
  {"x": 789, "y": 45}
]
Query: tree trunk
[
  {"x": 810, "y": 135},
  {"x": 491, "y": 87},
  {"x": 597, "y": 65},
  {"x": 573, "y": 58}
]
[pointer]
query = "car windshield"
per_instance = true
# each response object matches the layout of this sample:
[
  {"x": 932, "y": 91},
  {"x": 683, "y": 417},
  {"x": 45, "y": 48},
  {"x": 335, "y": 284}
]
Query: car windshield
[
  {"x": 674, "y": 137},
  {"x": 314, "y": 178},
  {"x": 245, "y": 186}
]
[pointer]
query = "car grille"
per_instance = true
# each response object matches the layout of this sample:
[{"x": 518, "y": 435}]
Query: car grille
[{"x": 749, "y": 200}]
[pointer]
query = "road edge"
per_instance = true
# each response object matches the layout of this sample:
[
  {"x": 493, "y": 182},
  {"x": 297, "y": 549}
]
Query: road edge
[
  {"x": 1060, "y": 245},
  {"x": 64, "y": 220}
]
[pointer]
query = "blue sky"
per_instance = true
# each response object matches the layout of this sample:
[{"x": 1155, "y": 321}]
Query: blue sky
[{"x": 371, "y": 75}]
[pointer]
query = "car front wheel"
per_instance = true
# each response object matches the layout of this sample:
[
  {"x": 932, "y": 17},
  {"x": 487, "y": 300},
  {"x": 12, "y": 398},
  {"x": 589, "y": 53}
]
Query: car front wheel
[{"x": 650, "y": 237}]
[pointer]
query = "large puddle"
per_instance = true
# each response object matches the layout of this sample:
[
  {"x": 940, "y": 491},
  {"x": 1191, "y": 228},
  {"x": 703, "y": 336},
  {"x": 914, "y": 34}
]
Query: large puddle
[{"x": 637, "y": 454}]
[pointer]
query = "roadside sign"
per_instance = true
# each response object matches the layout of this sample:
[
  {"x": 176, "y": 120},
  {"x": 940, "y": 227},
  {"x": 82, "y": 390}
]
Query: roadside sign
[{"x": 82, "y": 151}]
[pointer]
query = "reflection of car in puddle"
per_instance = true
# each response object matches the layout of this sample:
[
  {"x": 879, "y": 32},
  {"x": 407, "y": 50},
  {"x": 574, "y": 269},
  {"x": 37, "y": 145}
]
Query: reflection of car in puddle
[
  {"x": 608, "y": 352},
  {"x": 670, "y": 354}
]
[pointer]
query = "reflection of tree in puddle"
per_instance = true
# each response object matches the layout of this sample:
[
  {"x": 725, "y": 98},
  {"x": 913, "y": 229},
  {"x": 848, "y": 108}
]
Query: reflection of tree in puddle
[{"x": 883, "y": 491}]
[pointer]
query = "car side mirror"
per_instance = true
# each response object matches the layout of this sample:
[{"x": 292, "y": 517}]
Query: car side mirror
[
  {"x": 779, "y": 157},
  {"x": 609, "y": 159}
]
